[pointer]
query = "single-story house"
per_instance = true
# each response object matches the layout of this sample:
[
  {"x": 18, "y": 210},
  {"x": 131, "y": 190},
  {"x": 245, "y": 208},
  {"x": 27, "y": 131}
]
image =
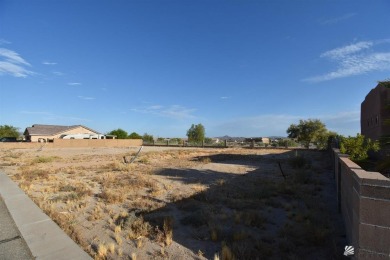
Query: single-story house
[{"x": 47, "y": 133}]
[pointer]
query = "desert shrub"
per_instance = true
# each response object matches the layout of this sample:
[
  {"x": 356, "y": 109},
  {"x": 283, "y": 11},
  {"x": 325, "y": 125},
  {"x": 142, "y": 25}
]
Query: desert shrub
[
  {"x": 44, "y": 159},
  {"x": 168, "y": 230},
  {"x": 195, "y": 219},
  {"x": 358, "y": 147},
  {"x": 31, "y": 175},
  {"x": 205, "y": 159},
  {"x": 299, "y": 162},
  {"x": 315, "y": 234},
  {"x": 136, "y": 226},
  {"x": 113, "y": 195},
  {"x": 301, "y": 176},
  {"x": 226, "y": 253},
  {"x": 265, "y": 191},
  {"x": 287, "y": 188},
  {"x": 254, "y": 219}
]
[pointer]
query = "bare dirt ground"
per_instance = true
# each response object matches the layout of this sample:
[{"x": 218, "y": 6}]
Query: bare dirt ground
[{"x": 186, "y": 203}]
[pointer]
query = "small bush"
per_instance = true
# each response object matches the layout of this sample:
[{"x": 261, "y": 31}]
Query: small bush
[
  {"x": 113, "y": 196},
  {"x": 43, "y": 159},
  {"x": 102, "y": 250},
  {"x": 204, "y": 159},
  {"x": 195, "y": 219},
  {"x": 299, "y": 162},
  {"x": 301, "y": 177},
  {"x": 168, "y": 230}
]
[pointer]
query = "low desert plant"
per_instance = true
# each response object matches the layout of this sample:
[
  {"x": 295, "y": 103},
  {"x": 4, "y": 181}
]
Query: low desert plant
[
  {"x": 117, "y": 229},
  {"x": 119, "y": 251},
  {"x": 301, "y": 176},
  {"x": 205, "y": 159},
  {"x": 226, "y": 253},
  {"x": 168, "y": 230},
  {"x": 299, "y": 162},
  {"x": 33, "y": 174},
  {"x": 139, "y": 242},
  {"x": 214, "y": 234},
  {"x": 118, "y": 239},
  {"x": 113, "y": 196},
  {"x": 43, "y": 159},
  {"x": 138, "y": 227},
  {"x": 102, "y": 250},
  {"x": 96, "y": 214},
  {"x": 111, "y": 248}
]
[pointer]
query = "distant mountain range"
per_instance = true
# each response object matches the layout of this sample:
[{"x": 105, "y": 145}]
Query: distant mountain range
[{"x": 227, "y": 137}]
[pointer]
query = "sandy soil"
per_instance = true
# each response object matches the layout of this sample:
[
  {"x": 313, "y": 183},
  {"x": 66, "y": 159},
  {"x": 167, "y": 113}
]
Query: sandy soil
[{"x": 186, "y": 203}]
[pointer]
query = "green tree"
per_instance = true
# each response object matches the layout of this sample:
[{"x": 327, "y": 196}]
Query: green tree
[
  {"x": 120, "y": 133},
  {"x": 9, "y": 131},
  {"x": 309, "y": 131},
  {"x": 208, "y": 140},
  {"x": 196, "y": 133},
  {"x": 147, "y": 138},
  {"x": 134, "y": 135},
  {"x": 323, "y": 141},
  {"x": 286, "y": 143},
  {"x": 357, "y": 147}
]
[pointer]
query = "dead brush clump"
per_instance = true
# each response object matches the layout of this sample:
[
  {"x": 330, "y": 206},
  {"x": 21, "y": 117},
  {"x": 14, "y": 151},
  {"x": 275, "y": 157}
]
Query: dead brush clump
[
  {"x": 145, "y": 204},
  {"x": 96, "y": 214},
  {"x": 26, "y": 185},
  {"x": 10, "y": 158},
  {"x": 135, "y": 226},
  {"x": 168, "y": 230},
  {"x": 29, "y": 174},
  {"x": 9, "y": 154},
  {"x": 106, "y": 179},
  {"x": 137, "y": 182},
  {"x": 44, "y": 159},
  {"x": 102, "y": 251},
  {"x": 112, "y": 196},
  {"x": 72, "y": 192},
  {"x": 117, "y": 166},
  {"x": 204, "y": 159}
]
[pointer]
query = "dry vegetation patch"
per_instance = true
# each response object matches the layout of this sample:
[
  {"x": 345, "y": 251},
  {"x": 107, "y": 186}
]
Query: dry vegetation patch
[{"x": 185, "y": 203}]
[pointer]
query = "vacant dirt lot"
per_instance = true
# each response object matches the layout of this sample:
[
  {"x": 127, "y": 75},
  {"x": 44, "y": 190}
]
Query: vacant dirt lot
[{"x": 186, "y": 203}]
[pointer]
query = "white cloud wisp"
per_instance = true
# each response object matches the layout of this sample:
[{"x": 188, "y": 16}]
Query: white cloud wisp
[
  {"x": 354, "y": 59},
  {"x": 86, "y": 98},
  {"x": 174, "y": 111},
  {"x": 11, "y": 63}
]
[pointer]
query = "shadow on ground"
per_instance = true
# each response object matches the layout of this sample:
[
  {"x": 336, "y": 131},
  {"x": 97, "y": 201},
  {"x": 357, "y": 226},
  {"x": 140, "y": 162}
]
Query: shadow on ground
[{"x": 257, "y": 214}]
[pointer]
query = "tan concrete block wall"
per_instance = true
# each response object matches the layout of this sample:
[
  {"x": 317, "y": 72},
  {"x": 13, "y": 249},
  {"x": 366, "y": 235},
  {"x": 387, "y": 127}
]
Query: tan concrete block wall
[
  {"x": 58, "y": 143},
  {"x": 63, "y": 143},
  {"x": 35, "y": 138},
  {"x": 365, "y": 206}
]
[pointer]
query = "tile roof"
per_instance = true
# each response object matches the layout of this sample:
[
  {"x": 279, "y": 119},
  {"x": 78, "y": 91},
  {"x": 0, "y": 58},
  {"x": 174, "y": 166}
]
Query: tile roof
[{"x": 50, "y": 129}]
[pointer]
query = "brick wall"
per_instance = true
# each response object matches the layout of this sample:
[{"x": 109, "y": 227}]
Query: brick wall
[
  {"x": 364, "y": 201},
  {"x": 63, "y": 143}
]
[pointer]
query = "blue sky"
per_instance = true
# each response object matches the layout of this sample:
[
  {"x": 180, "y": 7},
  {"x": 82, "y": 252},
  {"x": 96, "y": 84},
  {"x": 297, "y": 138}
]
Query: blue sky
[{"x": 241, "y": 68}]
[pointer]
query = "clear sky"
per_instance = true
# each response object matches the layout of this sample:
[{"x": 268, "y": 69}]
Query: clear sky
[{"x": 241, "y": 68}]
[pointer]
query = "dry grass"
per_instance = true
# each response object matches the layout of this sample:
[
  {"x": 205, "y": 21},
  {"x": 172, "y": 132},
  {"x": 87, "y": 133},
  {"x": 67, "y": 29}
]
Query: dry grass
[
  {"x": 102, "y": 251},
  {"x": 44, "y": 159},
  {"x": 107, "y": 206},
  {"x": 168, "y": 230}
]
